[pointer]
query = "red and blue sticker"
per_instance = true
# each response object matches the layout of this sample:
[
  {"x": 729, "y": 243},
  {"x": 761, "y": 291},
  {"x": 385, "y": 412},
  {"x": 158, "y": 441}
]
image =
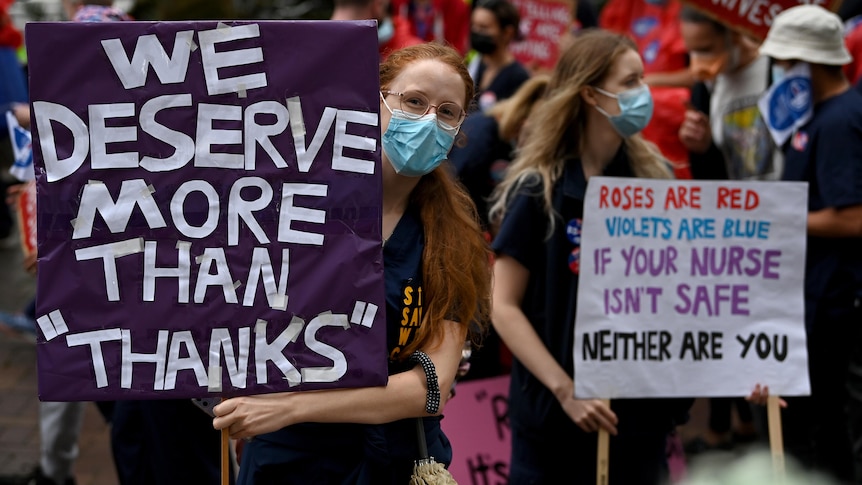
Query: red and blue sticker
[
  {"x": 799, "y": 141},
  {"x": 573, "y": 233},
  {"x": 575, "y": 261}
]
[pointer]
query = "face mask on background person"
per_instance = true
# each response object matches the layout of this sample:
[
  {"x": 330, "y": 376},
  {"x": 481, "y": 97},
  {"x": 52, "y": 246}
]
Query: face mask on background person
[
  {"x": 482, "y": 43},
  {"x": 385, "y": 31},
  {"x": 415, "y": 147},
  {"x": 635, "y": 110},
  {"x": 778, "y": 73},
  {"x": 707, "y": 67}
]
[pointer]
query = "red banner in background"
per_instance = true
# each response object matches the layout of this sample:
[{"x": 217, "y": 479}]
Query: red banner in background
[
  {"x": 543, "y": 22},
  {"x": 753, "y": 16},
  {"x": 26, "y": 206}
]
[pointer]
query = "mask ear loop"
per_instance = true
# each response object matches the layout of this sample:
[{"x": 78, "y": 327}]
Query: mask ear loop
[
  {"x": 606, "y": 93},
  {"x": 600, "y": 110}
]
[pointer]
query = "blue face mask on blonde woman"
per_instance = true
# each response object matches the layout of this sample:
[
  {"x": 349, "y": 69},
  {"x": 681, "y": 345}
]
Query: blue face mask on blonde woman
[{"x": 635, "y": 110}]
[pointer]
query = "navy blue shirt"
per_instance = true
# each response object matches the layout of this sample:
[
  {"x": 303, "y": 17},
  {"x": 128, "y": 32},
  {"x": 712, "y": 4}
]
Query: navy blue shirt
[
  {"x": 827, "y": 153},
  {"x": 504, "y": 84},
  {"x": 480, "y": 160},
  {"x": 355, "y": 454},
  {"x": 402, "y": 263}
]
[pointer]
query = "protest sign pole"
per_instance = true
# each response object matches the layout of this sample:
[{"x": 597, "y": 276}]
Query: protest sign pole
[
  {"x": 602, "y": 453},
  {"x": 225, "y": 457},
  {"x": 776, "y": 442}
]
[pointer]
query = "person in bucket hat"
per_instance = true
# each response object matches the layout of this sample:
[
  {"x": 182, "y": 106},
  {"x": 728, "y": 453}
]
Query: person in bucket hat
[
  {"x": 807, "y": 33},
  {"x": 826, "y": 152}
]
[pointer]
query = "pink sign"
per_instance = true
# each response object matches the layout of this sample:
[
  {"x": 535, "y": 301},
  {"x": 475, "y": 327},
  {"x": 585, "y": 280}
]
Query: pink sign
[
  {"x": 543, "y": 22},
  {"x": 476, "y": 422}
]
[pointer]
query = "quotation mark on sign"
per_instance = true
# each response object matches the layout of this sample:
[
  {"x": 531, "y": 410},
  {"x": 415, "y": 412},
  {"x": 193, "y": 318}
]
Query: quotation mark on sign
[
  {"x": 52, "y": 325},
  {"x": 363, "y": 314}
]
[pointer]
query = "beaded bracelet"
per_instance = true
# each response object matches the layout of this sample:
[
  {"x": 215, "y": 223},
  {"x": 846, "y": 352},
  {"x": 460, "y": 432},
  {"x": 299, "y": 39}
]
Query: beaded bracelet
[{"x": 432, "y": 401}]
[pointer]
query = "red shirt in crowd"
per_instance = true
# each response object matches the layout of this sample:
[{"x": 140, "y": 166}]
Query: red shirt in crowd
[
  {"x": 654, "y": 27},
  {"x": 402, "y": 37},
  {"x": 446, "y": 21}
]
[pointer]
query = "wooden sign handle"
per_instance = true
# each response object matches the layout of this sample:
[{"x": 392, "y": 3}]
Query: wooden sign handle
[
  {"x": 225, "y": 456},
  {"x": 776, "y": 441},
  {"x": 603, "y": 454}
]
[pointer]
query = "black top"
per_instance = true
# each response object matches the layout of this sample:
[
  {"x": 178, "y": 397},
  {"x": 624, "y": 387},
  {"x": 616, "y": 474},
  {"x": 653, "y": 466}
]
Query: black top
[
  {"x": 504, "y": 85},
  {"x": 480, "y": 162},
  {"x": 827, "y": 153},
  {"x": 550, "y": 304}
]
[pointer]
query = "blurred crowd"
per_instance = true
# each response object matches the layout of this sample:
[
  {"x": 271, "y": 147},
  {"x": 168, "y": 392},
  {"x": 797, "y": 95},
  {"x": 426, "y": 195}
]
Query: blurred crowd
[{"x": 678, "y": 98}]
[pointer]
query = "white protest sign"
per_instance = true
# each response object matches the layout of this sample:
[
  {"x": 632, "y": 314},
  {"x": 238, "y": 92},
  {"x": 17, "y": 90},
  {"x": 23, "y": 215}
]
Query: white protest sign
[{"x": 691, "y": 288}]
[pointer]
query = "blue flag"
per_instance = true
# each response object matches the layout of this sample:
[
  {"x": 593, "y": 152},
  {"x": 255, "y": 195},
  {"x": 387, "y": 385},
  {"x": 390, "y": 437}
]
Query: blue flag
[{"x": 22, "y": 148}]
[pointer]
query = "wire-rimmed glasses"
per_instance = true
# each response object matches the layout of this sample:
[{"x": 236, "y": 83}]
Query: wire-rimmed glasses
[{"x": 415, "y": 105}]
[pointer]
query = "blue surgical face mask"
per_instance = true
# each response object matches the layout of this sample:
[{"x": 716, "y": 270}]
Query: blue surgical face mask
[
  {"x": 635, "y": 110},
  {"x": 778, "y": 73},
  {"x": 415, "y": 147}
]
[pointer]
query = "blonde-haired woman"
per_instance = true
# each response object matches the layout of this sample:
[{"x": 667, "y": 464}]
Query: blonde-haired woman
[{"x": 588, "y": 124}]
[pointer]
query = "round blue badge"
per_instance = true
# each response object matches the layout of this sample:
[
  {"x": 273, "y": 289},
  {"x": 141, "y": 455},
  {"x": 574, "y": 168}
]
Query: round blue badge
[
  {"x": 575, "y": 261},
  {"x": 573, "y": 231}
]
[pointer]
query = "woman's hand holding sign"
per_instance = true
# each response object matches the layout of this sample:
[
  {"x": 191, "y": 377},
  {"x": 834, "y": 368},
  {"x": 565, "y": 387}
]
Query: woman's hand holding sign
[
  {"x": 590, "y": 415},
  {"x": 249, "y": 416},
  {"x": 760, "y": 395}
]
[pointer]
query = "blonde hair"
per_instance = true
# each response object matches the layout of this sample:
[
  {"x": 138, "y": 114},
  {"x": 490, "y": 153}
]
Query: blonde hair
[
  {"x": 558, "y": 126},
  {"x": 512, "y": 112},
  {"x": 456, "y": 270}
]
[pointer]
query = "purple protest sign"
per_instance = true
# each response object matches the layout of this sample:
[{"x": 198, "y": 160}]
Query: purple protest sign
[{"x": 208, "y": 208}]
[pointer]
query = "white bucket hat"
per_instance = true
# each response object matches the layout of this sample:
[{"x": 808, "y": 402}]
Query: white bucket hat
[{"x": 808, "y": 33}]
